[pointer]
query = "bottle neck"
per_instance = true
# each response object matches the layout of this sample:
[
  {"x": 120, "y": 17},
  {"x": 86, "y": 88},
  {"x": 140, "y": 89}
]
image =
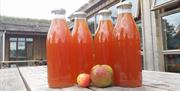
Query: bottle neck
[
  {"x": 123, "y": 11},
  {"x": 104, "y": 17},
  {"x": 105, "y": 25},
  {"x": 58, "y": 16}
]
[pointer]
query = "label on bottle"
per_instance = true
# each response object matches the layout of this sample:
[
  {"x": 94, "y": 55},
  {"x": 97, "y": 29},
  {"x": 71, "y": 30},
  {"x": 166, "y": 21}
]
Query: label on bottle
[
  {"x": 124, "y": 11},
  {"x": 101, "y": 17},
  {"x": 80, "y": 18}
]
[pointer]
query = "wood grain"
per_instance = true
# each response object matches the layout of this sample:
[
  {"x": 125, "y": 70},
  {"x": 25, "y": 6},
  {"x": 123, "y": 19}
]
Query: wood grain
[
  {"x": 143, "y": 88},
  {"x": 36, "y": 78},
  {"x": 10, "y": 80},
  {"x": 163, "y": 80},
  {"x": 152, "y": 81}
]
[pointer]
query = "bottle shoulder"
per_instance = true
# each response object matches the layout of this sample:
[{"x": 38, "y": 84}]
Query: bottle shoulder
[
  {"x": 126, "y": 27},
  {"x": 58, "y": 31},
  {"x": 81, "y": 29}
]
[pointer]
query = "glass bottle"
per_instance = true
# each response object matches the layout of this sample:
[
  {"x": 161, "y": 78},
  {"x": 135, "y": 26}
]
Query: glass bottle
[
  {"x": 82, "y": 57},
  {"x": 58, "y": 51},
  {"x": 128, "y": 68},
  {"x": 103, "y": 41}
]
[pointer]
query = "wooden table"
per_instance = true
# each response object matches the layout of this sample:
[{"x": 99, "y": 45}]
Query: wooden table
[{"x": 35, "y": 79}]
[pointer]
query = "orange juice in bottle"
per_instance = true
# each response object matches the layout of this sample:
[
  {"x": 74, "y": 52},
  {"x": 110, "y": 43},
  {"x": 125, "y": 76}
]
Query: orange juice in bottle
[
  {"x": 58, "y": 52},
  {"x": 128, "y": 71},
  {"x": 103, "y": 41},
  {"x": 82, "y": 57}
]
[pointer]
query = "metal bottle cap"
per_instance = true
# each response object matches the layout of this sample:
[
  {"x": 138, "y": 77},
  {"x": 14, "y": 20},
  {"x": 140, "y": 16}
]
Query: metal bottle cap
[
  {"x": 80, "y": 14},
  {"x": 105, "y": 12},
  {"x": 59, "y": 11}
]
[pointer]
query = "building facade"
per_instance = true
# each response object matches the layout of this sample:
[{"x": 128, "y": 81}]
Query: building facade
[
  {"x": 158, "y": 22},
  {"x": 22, "y": 40}
]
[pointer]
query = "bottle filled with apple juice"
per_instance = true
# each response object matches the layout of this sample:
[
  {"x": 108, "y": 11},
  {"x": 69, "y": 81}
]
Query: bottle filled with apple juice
[
  {"x": 82, "y": 57},
  {"x": 58, "y": 52},
  {"x": 103, "y": 41},
  {"x": 128, "y": 71}
]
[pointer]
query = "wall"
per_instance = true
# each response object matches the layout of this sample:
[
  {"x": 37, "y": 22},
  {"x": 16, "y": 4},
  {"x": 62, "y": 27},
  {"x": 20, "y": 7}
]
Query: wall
[
  {"x": 43, "y": 47},
  {"x": 39, "y": 47},
  {"x": 151, "y": 41},
  {"x": 7, "y": 48}
]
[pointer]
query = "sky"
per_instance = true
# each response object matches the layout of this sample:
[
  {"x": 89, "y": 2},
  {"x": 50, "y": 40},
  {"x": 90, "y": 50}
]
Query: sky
[{"x": 38, "y": 9}]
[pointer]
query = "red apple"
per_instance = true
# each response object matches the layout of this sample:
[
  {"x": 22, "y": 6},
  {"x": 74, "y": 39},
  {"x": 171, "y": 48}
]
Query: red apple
[
  {"x": 101, "y": 75},
  {"x": 83, "y": 80}
]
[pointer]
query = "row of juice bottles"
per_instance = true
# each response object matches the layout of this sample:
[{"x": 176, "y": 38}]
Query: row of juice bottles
[{"x": 71, "y": 54}]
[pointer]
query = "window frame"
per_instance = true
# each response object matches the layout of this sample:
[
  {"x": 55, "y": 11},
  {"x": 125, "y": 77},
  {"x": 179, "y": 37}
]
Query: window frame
[
  {"x": 166, "y": 3},
  {"x": 11, "y": 50},
  {"x": 17, "y": 42},
  {"x": 166, "y": 51}
]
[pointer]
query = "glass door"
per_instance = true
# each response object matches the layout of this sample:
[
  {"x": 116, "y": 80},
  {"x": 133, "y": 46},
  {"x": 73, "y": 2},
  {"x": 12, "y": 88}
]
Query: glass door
[
  {"x": 21, "y": 52},
  {"x": 13, "y": 49}
]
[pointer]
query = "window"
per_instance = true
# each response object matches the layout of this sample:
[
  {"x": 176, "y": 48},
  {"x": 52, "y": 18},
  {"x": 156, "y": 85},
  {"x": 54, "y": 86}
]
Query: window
[
  {"x": 158, "y": 2},
  {"x": 29, "y": 39},
  {"x": 172, "y": 62},
  {"x": 171, "y": 40},
  {"x": 164, "y": 4},
  {"x": 91, "y": 24},
  {"x": 21, "y": 48},
  {"x": 13, "y": 49},
  {"x": 171, "y": 31},
  {"x": 13, "y": 39},
  {"x": 21, "y": 39}
]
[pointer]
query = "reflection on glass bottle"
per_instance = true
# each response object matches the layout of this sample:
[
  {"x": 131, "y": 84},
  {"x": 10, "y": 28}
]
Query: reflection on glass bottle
[
  {"x": 58, "y": 52},
  {"x": 82, "y": 57},
  {"x": 128, "y": 68},
  {"x": 103, "y": 41}
]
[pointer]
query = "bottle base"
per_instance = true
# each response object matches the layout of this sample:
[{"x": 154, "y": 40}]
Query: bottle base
[
  {"x": 59, "y": 84},
  {"x": 131, "y": 84}
]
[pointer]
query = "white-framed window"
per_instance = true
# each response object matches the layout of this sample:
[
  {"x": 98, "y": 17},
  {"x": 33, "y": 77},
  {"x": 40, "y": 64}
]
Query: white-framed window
[
  {"x": 170, "y": 28},
  {"x": 163, "y": 3},
  {"x": 160, "y": 2}
]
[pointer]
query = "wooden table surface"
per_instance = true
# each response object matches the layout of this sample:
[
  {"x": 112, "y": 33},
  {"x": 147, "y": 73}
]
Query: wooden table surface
[{"x": 35, "y": 79}]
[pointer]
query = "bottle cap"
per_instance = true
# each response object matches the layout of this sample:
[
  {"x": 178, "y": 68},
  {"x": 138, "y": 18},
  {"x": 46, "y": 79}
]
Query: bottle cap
[
  {"x": 79, "y": 14},
  {"x": 105, "y": 12},
  {"x": 125, "y": 4},
  {"x": 59, "y": 11}
]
